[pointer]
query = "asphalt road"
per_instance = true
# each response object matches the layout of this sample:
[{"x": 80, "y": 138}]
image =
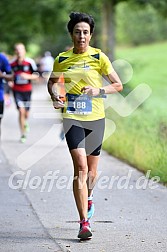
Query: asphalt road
[{"x": 37, "y": 209}]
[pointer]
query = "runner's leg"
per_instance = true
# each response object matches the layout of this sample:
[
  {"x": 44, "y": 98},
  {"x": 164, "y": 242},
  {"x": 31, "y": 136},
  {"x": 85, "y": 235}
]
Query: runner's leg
[
  {"x": 92, "y": 172},
  {"x": 22, "y": 116},
  {"x": 80, "y": 189}
]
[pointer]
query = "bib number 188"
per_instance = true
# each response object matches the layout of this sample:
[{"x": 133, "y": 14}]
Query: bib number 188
[{"x": 79, "y": 104}]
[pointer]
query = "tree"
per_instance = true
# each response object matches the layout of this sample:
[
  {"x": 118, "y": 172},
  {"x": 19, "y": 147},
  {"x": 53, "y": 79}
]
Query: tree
[
  {"x": 19, "y": 22},
  {"x": 140, "y": 25},
  {"x": 41, "y": 22},
  {"x": 108, "y": 27},
  {"x": 108, "y": 20},
  {"x": 44, "y": 22}
]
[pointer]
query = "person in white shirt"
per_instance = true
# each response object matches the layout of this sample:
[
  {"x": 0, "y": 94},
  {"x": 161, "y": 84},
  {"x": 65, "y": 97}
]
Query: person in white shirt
[{"x": 46, "y": 63}]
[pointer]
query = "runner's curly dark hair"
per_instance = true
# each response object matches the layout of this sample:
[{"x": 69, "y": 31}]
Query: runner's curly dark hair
[{"x": 76, "y": 17}]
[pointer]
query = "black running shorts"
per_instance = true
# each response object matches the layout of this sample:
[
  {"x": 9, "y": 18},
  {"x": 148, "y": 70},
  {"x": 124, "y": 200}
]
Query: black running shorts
[
  {"x": 84, "y": 134},
  {"x": 22, "y": 99}
]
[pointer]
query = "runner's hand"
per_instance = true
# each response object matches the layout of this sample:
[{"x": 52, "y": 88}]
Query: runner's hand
[
  {"x": 1, "y": 74},
  {"x": 91, "y": 91},
  {"x": 57, "y": 102}
]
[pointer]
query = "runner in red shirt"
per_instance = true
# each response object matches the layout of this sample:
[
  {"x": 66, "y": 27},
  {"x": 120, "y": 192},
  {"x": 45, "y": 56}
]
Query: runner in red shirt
[{"x": 23, "y": 69}]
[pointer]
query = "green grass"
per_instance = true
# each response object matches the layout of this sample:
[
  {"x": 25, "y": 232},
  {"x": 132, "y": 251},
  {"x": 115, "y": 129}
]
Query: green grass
[{"x": 141, "y": 138}]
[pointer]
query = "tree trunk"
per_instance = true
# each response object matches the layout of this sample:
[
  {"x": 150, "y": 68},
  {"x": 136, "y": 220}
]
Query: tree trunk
[{"x": 108, "y": 28}]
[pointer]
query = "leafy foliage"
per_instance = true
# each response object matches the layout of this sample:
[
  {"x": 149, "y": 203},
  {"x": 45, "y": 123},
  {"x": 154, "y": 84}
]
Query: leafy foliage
[
  {"x": 141, "y": 25},
  {"x": 44, "y": 22}
]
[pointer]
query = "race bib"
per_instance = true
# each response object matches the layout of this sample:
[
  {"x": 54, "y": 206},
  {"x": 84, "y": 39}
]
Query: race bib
[
  {"x": 20, "y": 81},
  {"x": 79, "y": 104}
]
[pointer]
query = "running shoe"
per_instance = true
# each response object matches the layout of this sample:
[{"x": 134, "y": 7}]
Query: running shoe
[
  {"x": 91, "y": 208},
  {"x": 23, "y": 139},
  {"x": 85, "y": 230}
]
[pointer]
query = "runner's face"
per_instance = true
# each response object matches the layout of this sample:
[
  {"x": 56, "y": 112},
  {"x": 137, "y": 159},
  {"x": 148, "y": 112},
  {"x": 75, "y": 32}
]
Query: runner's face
[
  {"x": 81, "y": 37},
  {"x": 20, "y": 50}
]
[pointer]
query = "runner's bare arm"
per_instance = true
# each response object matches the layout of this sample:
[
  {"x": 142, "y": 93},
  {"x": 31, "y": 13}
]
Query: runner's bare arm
[
  {"x": 115, "y": 86},
  {"x": 6, "y": 76},
  {"x": 52, "y": 89},
  {"x": 28, "y": 76}
]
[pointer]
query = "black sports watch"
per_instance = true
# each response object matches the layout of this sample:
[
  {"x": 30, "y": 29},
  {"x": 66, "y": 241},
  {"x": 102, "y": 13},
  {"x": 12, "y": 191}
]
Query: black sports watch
[{"x": 101, "y": 91}]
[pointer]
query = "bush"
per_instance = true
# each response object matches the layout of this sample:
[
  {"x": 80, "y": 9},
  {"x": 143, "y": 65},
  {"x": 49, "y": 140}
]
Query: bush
[{"x": 137, "y": 25}]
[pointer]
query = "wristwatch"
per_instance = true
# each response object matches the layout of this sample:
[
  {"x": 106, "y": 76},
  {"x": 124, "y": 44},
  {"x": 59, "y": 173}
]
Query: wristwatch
[{"x": 101, "y": 91}]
